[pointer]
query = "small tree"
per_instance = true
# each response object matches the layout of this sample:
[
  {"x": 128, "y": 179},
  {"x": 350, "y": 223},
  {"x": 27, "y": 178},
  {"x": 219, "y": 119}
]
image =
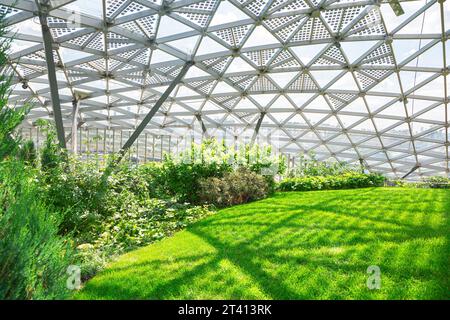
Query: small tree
[{"x": 33, "y": 257}]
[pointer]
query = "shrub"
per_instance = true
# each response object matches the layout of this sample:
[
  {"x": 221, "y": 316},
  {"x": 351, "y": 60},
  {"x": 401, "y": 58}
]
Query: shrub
[
  {"x": 74, "y": 190},
  {"x": 428, "y": 182},
  {"x": 52, "y": 155},
  {"x": 10, "y": 118},
  {"x": 437, "y": 182},
  {"x": 308, "y": 165},
  {"x": 151, "y": 174},
  {"x": 181, "y": 180},
  {"x": 240, "y": 186},
  {"x": 179, "y": 176},
  {"x": 33, "y": 257},
  {"x": 27, "y": 152},
  {"x": 344, "y": 181}
]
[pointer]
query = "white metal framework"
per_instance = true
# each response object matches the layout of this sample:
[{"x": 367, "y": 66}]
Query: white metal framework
[{"x": 346, "y": 79}]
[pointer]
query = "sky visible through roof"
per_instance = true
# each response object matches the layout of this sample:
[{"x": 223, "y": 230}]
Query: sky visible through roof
[{"x": 348, "y": 80}]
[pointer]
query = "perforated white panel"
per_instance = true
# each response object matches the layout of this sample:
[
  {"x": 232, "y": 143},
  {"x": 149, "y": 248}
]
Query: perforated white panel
[{"x": 346, "y": 79}]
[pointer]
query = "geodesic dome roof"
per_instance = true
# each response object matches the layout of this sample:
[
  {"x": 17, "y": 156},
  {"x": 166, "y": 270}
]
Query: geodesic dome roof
[{"x": 348, "y": 79}]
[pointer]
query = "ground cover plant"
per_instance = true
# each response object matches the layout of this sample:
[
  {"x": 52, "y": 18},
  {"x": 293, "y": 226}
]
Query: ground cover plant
[{"x": 297, "y": 245}]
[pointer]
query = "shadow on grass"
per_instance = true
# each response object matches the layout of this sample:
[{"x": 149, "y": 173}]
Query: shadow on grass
[{"x": 303, "y": 246}]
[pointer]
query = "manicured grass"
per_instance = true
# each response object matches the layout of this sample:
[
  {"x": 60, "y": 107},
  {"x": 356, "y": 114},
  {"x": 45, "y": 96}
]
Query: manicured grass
[{"x": 297, "y": 245}]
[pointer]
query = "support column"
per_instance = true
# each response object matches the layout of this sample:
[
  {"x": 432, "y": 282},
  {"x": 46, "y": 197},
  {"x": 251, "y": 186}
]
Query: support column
[
  {"x": 162, "y": 148},
  {"x": 74, "y": 138},
  {"x": 361, "y": 163},
  {"x": 43, "y": 7},
  {"x": 170, "y": 141},
  {"x": 258, "y": 125},
  {"x": 200, "y": 120},
  {"x": 145, "y": 148},
  {"x": 411, "y": 171},
  {"x": 153, "y": 149},
  {"x": 104, "y": 144}
]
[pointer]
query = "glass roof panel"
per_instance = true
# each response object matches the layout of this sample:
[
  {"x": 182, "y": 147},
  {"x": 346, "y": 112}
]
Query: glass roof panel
[{"x": 346, "y": 79}]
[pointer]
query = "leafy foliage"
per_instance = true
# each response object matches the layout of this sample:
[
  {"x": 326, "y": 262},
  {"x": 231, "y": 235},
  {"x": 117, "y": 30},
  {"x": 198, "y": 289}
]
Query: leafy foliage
[
  {"x": 240, "y": 186},
  {"x": 33, "y": 257},
  {"x": 309, "y": 166},
  {"x": 52, "y": 155},
  {"x": 436, "y": 182},
  {"x": 27, "y": 152},
  {"x": 181, "y": 180},
  {"x": 344, "y": 181},
  {"x": 9, "y": 119},
  {"x": 109, "y": 217},
  {"x": 179, "y": 176}
]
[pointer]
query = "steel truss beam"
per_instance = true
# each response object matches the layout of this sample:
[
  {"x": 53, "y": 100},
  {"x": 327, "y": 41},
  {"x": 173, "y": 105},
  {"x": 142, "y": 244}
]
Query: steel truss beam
[
  {"x": 74, "y": 140},
  {"x": 43, "y": 7},
  {"x": 411, "y": 171},
  {"x": 257, "y": 127},
  {"x": 117, "y": 50},
  {"x": 153, "y": 110},
  {"x": 200, "y": 120}
]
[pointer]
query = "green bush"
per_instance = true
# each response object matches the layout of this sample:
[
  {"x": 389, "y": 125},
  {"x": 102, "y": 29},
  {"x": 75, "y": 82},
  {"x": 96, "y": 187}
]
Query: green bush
[
  {"x": 181, "y": 180},
  {"x": 152, "y": 175},
  {"x": 426, "y": 182},
  {"x": 110, "y": 214},
  {"x": 74, "y": 190},
  {"x": 33, "y": 257},
  {"x": 10, "y": 118},
  {"x": 27, "y": 152},
  {"x": 52, "y": 155},
  {"x": 239, "y": 186},
  {"x": 307, "y": 166},
  {"x": 437, "y": 182},
  {"x": 344, "y": 181},
  {"x": 179, "y": 176}
]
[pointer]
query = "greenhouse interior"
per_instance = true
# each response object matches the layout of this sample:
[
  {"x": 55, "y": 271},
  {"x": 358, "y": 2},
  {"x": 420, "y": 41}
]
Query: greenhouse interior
[{"x": 224, "y": 150}]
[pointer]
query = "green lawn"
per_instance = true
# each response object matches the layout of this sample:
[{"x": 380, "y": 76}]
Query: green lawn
[{"x": 297, "y": 245}]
